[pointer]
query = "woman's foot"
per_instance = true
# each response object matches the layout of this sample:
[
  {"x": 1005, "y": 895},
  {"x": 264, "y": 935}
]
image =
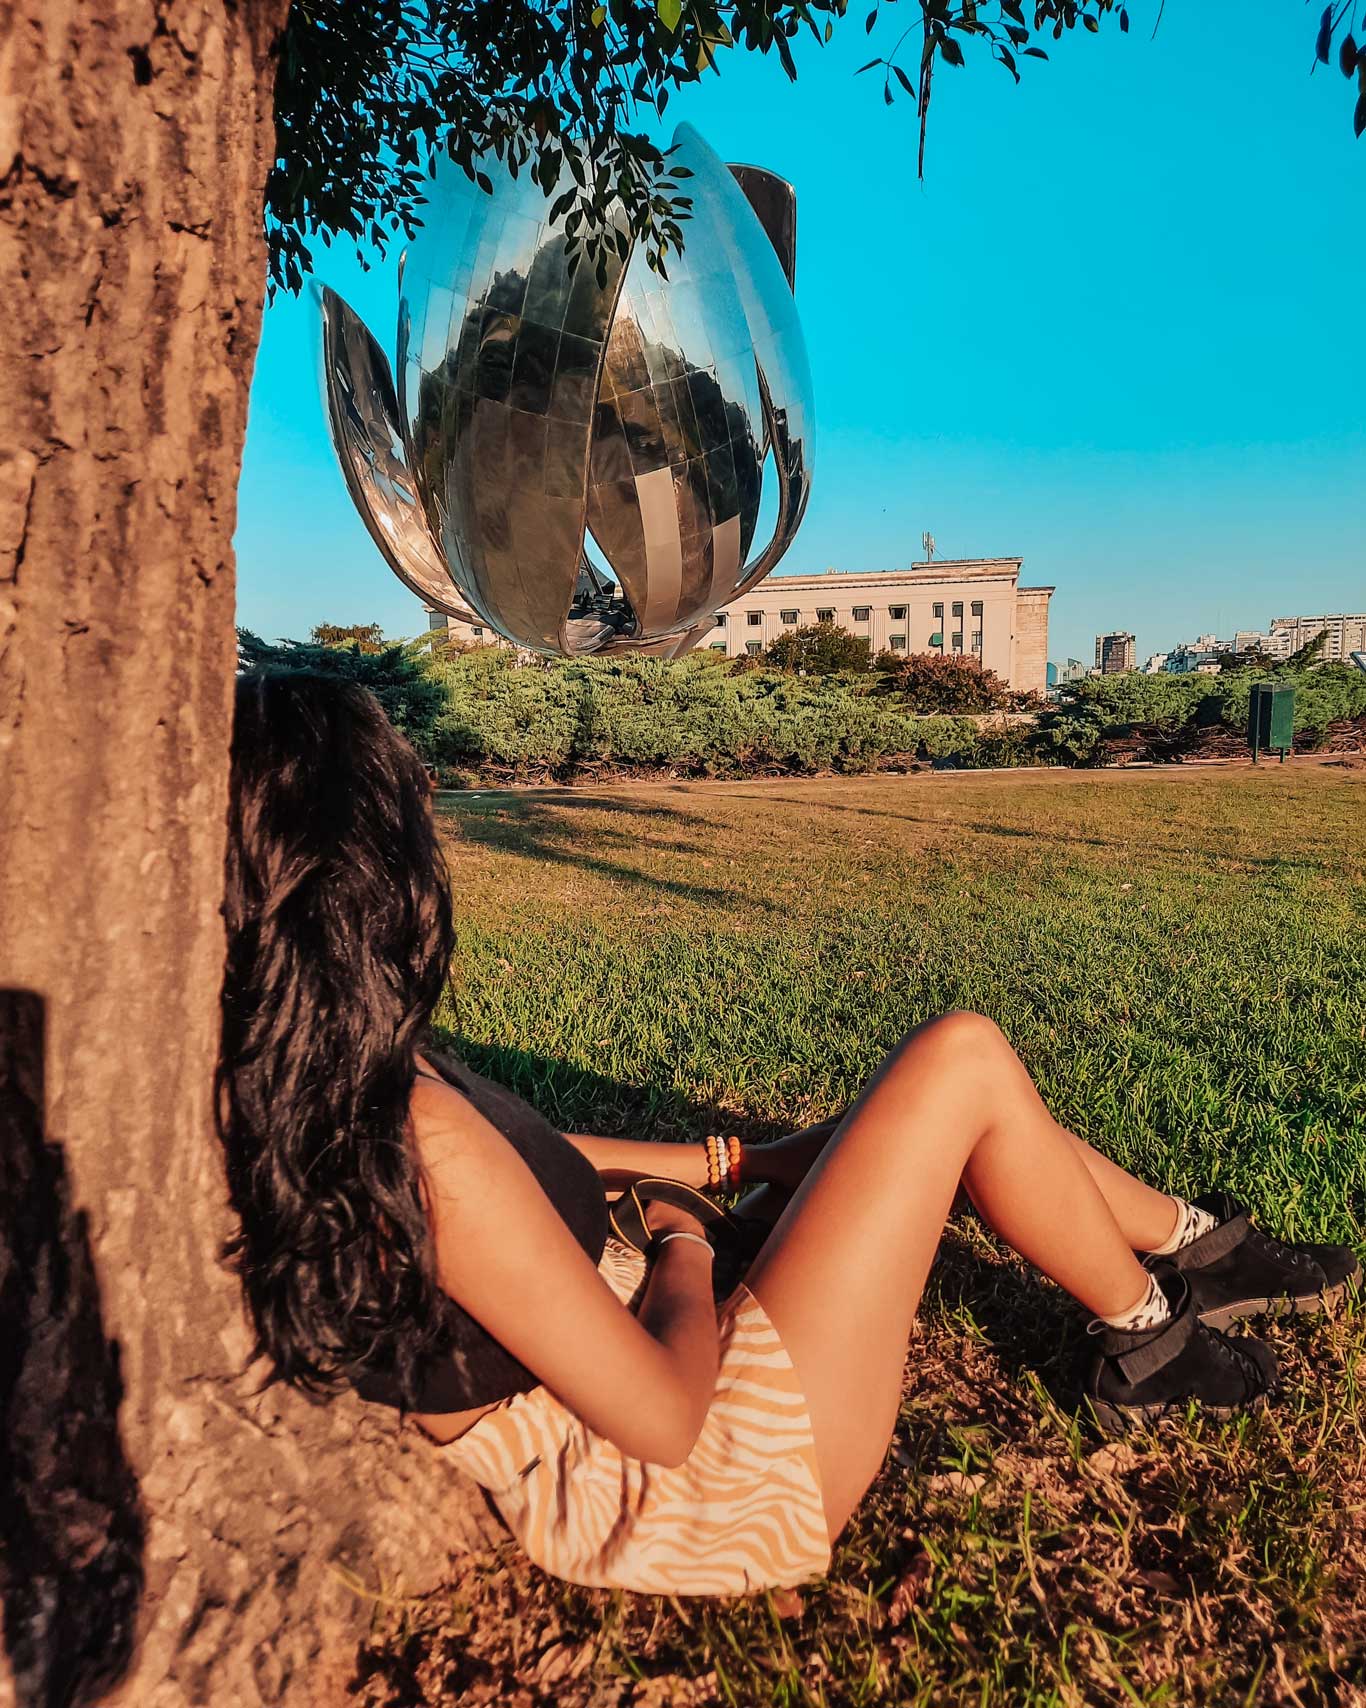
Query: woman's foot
[
  {"x": 1141, "y": 1375},
  {"x": 1235, "y": 1270}
]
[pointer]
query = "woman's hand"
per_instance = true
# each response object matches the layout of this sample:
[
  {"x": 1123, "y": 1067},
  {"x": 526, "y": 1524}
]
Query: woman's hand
[{"x": 786, "y": 1162}]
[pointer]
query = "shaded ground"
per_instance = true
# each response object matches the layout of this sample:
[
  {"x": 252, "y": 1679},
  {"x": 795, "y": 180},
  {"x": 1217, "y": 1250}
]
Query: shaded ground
[{"x": 1179, "y": 959}]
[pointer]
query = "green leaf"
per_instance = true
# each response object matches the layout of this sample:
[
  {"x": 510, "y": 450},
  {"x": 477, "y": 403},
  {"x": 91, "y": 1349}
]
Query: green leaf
[
  {"x": 1347, "y": 54},
  {"x": 670, "y": 14},
  {"x": 949, "y": 48},
  {"x": 1325, "y": 42},
  {"x": 598, "y": 17},
  {"x": 1123, "y": 22},
  {"x": 869, "y": 21},
  {"x": 904, "y": 81},
  {"x": 862, "y": 68},
  {"x": 1359, "y": 117}
]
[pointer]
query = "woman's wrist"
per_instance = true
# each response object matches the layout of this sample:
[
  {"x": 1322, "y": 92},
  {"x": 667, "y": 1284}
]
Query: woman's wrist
[{"x": 681, "y": 1237}]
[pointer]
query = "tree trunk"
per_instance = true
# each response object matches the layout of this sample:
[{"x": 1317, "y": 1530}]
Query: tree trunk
[{"x": 165, "y": 1537}]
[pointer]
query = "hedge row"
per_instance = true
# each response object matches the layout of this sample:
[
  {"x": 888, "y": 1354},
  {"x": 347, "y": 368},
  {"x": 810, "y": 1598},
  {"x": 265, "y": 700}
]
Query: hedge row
[
  {"x": 690, "y": 715},
  {"x": 698, "y": 717}
]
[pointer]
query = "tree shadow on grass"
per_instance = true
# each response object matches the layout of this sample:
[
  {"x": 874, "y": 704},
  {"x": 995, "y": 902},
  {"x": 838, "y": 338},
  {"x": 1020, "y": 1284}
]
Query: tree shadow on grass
[
  {"x": 578, "y": 1099},
  {"x": 1030, "y": 1326},
  {"x": 542, "y": 825},
  {"x": 1183, "y": 852},
  {"x": 71, "y": 1526}
]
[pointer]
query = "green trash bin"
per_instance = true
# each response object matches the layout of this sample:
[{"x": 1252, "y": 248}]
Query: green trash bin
[{"x": 1271, "y": 719}]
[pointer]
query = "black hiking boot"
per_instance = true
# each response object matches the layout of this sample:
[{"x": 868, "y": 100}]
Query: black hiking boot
[
  {"x": 1236, "y": 1270},
  {"x": 1143, "y": 1375}
]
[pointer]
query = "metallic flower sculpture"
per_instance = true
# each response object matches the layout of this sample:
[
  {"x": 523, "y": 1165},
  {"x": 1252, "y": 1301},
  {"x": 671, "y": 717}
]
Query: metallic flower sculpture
[{"x": 536, "y": 407}]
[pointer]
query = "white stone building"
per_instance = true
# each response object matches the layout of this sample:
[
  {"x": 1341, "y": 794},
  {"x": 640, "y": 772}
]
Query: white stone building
[
  {"x": 972, "y": 606},
  {"x": 969, "y": 606}
]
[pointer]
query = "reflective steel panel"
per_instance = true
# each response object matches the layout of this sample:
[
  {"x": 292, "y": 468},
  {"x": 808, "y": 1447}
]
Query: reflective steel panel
[{"x": 539, "y": 404}]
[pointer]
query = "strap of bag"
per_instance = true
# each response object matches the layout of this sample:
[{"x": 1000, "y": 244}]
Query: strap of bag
[{"x": 629, "y": 1224}]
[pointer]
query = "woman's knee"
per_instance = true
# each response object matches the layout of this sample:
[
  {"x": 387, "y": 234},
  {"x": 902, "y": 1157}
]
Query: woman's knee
[{"x": 961, "y": 1033}]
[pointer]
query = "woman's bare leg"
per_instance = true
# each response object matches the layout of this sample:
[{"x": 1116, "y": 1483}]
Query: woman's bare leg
[
  {"x": 842, "y": 1273},
  {"x": 1145, "y": 1215}
]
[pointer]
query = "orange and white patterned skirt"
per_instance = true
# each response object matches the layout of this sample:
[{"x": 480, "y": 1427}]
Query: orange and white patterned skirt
[{"x": 742, "y": 1513}]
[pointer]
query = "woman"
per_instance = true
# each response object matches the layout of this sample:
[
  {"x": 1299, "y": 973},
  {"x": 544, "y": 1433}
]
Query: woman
[{"x": 417, "y": 1232}]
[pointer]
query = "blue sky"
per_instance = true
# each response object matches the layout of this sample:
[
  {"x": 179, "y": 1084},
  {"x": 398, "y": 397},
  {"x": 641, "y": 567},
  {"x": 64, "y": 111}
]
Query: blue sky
[{"x": 1116, "y": 331}]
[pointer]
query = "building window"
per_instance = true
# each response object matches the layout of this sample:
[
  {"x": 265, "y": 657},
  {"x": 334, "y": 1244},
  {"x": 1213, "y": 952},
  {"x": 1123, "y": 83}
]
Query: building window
[
  {"x": 937, "y": 639},
  {"x": 754, "y": 618},
  {"x": 754, "y": 647},
  {"x": 788, "y": 616},
  {"x": 825, "y": 616},
  {"x": 898, "y": 643},
  {"x": 718, "y": 646},
  {"x": 958, "y": 607},
  {"x": 862, "y": 613},
  {"x": 938, "y": 608},
  {"x": 977, "y": 640},
  {"x": 477, "y": 632},
  {"x": 720, "y": 619},
  {"x": 897, "y": 613},
  {"x": 977, "y": 607},
  {"x": 958, "y": 641}
]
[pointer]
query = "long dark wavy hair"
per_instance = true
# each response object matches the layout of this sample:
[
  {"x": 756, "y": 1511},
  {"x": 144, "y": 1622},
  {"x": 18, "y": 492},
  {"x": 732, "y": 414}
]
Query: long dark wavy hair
[{"x": 339, "y": 940}]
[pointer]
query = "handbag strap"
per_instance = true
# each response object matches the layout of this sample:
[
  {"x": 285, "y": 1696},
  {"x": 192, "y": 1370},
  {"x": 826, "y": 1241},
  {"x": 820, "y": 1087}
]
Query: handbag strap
[{"x": 724, "y": 1232}]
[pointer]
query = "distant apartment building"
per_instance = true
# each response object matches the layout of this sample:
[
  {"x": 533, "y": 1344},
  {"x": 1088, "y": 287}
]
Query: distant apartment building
[
  {"x": 1073, "y": 671},
  {"x": 969, "y": 606},
  {"x": 1274, "y": 645},
  {"x": 973, "y": 607},
  {"x": 1200, "y": 656},
  {"x": 1344, "y": 634},
  {"x": 1157, "y": 663},
  {"x": 1115, "y": 652}
]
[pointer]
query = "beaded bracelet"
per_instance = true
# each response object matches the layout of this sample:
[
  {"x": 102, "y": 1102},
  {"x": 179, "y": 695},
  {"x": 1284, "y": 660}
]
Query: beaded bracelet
[{"x": 723, "y": 1163}]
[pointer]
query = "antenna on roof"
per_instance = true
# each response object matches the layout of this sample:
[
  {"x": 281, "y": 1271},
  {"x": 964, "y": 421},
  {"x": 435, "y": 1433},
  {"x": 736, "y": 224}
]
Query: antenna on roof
[{"x": 927, "y": 544}]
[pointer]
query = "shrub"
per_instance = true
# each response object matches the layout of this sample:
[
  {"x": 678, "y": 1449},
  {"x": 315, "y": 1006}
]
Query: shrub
[
  {"x": 412, "y": 699},
  {"x": 935, "y": 682},
  {"x": 820, "y": 649}
]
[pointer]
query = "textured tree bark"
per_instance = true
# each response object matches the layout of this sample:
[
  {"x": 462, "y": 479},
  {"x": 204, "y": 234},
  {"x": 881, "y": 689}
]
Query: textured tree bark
[{"x": 177, "y": 1540}]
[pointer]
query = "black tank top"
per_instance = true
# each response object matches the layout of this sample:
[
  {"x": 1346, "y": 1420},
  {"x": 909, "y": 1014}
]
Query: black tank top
[{"x": 469, "y": 1368}]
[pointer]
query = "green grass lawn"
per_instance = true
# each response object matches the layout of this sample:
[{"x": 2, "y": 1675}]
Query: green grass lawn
[{"x": 1179, "y": 959}]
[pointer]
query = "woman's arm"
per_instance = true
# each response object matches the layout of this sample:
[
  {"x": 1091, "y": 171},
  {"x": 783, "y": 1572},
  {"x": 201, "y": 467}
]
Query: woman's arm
[
  {"x": 505, "y": 1255},
  {"x": 621, "y": 1161},
  {"x": 782, "y": 1162}
]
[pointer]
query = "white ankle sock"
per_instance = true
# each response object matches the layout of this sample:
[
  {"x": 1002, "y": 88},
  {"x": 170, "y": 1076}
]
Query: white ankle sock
[
  {"x": 1191, "y": 1223},
  {"x": 1150, "y": 1311}
]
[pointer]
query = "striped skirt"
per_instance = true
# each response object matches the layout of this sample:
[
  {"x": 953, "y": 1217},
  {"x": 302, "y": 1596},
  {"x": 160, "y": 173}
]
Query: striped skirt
[{"x": 742, "y": 1513}]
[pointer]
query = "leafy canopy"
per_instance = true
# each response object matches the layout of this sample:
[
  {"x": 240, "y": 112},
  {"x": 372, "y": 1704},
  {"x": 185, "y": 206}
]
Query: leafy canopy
[
  {"x": 369, "y": 637},
  {"x": 369, "y": 96}
]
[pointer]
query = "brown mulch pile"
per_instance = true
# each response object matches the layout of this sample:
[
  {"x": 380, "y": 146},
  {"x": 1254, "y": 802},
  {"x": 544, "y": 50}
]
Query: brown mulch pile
[{"x": 1157, "y": 744}]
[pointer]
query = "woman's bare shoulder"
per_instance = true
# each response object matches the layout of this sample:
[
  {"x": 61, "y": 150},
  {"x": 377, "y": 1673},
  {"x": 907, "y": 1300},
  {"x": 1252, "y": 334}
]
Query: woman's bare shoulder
[{"x": 447, "y": 1128}]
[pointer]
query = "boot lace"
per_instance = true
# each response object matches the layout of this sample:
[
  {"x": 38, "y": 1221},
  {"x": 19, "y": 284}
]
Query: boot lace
[
  {"x": 1279, "y": 1251},
  {"x": 1246, "y": 1366}
]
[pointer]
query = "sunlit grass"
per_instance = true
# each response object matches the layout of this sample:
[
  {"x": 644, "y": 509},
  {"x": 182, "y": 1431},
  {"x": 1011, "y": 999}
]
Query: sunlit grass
[{"x": 1179, "y": 959}]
